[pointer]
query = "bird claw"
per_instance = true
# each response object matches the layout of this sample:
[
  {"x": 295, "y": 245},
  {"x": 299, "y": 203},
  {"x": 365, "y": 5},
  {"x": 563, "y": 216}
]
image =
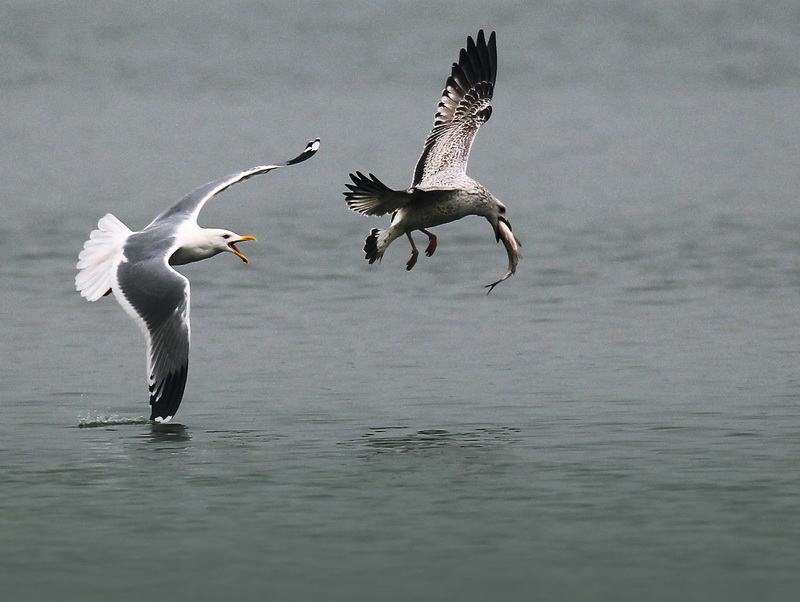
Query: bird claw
[{"x": 431, "y": 248}]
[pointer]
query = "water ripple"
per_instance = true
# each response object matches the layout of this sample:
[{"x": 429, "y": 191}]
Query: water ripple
[{"x": 405, "y": 439}]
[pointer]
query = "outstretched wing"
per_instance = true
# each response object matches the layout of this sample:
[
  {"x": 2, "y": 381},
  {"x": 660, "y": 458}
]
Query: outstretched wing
[
  {"x": 157, "y": 298},
  {"x": 465, "y": 106},
  {"x": 189, "y": 206},
  {"x": 370, "y": 196}
]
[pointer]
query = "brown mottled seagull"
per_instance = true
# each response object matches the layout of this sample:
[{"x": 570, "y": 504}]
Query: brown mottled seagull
[
  {"x": 137, "y": 268},
  {"x": 441, "y": 191}
]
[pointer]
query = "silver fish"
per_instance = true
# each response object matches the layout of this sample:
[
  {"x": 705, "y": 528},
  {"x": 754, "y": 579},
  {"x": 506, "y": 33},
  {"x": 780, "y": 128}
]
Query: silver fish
[{"x": 512, "y": 246}]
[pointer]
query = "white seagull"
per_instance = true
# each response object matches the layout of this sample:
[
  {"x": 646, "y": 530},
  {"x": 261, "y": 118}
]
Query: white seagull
[
  {"x": 441, "y": 190},
  {"x": 136, "y": 267}
]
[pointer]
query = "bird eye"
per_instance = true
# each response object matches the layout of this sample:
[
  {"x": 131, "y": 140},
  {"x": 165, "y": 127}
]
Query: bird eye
[
  {"x": 502, "y": 209},
  {"x": 226, "y": 236}
]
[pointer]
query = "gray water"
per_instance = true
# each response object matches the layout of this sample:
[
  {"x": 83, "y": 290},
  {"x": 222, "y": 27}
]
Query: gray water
[{"x": 617, "y": 421}]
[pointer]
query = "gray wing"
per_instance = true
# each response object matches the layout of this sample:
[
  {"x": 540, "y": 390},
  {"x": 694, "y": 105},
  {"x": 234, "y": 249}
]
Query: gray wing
[
  {"x": 465, "y": 106},
  {"x": 370, "y": 196},
  {"x": 189, "y": 206},
  {"x": 157, "y": 297}
]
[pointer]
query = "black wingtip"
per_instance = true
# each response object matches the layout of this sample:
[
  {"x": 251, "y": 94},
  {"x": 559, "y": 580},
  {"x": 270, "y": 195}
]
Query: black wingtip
[
  {"x": 309, "y": 151},
  {"x": 166, "y": 398},
  {"x": 480, "y": 39}
]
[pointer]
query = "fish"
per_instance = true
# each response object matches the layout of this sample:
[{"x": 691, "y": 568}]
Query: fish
[{"x": 512, "y": 245}]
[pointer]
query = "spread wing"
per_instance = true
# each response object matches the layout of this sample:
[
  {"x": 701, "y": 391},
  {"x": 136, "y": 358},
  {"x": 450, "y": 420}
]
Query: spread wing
[
  {"x": 465, "y": 106},
  {"x": 157, "y": 298},
  {"x": 189, "y": 206}
]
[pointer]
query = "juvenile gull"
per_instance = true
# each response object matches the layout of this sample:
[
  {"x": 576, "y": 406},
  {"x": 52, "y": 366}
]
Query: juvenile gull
[
  {"x": 136, "y": 267},
  {"x": 441, "y": 190}
]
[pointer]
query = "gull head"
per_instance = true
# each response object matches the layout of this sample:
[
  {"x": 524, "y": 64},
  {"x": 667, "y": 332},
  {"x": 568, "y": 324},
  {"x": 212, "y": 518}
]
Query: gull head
[
  {"x": 496, "y": 213},
  {"x": 196, "y": 244},
  {"x": 225, "y": 240}
]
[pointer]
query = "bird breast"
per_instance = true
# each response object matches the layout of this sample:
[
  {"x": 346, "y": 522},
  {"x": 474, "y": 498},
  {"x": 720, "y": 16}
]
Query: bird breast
[{"x": 440, "y": 208}]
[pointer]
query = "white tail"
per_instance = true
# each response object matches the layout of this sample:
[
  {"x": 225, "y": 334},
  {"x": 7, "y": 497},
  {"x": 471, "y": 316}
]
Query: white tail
[{"x": 100, "y": 257}]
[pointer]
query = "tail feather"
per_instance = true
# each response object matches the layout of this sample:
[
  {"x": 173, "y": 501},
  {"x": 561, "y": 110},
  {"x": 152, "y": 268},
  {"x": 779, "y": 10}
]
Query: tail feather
[
  {"x": 370, "y": 196},
  {"x": 378, "y": 241},
  {"x": 97, "y": 263},
  {"x": 371, "y": 247}
]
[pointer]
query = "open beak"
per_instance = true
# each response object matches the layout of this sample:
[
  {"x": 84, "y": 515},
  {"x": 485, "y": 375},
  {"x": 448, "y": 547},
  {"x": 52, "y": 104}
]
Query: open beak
[
  {"x": 237, "y": 252},
  {"x": 497, "y": 234}
]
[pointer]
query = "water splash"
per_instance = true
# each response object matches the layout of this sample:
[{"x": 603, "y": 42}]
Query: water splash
[{"x": 94, "y": 419}]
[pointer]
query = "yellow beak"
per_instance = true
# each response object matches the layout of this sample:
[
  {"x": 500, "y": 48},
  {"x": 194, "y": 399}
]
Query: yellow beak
[{"x": 237, "y": 252}]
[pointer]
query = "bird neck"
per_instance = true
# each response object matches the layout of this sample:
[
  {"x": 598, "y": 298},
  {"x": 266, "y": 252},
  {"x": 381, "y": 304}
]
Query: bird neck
[{"x": 196, "y": 243}]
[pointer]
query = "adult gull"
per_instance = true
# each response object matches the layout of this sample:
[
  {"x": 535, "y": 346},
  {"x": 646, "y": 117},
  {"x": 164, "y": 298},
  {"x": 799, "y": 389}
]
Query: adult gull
[
  {"x": 137, "y": 268},
  {"x": 441, "y": 190}
]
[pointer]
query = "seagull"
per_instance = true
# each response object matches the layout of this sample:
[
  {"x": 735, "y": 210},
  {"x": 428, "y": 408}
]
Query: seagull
[
  {"x": 137, "y": 268},
  {"x": 441, "y": 190}
]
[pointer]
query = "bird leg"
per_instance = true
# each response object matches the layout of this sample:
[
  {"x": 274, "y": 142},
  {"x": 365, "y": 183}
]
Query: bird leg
[
  {"x": 414, "y": 252},
  {"x": 431, "y": 248}
]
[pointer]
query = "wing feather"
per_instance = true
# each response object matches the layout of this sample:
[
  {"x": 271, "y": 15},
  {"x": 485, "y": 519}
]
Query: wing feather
[
  {"x": 157, "y": 298},
  {"x": 464, "y": 107},
  {"x": 193, "y": 202}
]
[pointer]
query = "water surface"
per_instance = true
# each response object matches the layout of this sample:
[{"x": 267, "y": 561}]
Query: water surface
[{"x": 619, "y": 420}]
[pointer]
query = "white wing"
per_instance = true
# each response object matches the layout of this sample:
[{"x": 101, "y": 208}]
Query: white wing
[
  {"x": 189, "y": 206},
  {"x": 157, "y": 298}
]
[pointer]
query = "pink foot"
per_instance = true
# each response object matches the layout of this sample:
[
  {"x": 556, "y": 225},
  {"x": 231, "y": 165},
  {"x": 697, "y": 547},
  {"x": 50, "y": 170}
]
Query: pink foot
[
  {"x": 431, "y": 248},
  {"x": 413, "y": 261}
]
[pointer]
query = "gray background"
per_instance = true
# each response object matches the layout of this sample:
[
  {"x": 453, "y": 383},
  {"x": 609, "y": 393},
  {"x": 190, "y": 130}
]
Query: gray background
[{"x": 617, "y": 421}]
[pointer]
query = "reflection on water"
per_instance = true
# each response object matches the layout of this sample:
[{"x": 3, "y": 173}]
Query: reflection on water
[
  {"x": 625, "y": 409},
  {"x": 405, "y": 439},
  {"x": 241, "y": 437},
  {"x": 166, "y": 433}
]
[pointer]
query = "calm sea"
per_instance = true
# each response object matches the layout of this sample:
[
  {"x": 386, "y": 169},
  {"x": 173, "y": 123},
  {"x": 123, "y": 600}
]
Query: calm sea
[{"x": 618, "y": 421}]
